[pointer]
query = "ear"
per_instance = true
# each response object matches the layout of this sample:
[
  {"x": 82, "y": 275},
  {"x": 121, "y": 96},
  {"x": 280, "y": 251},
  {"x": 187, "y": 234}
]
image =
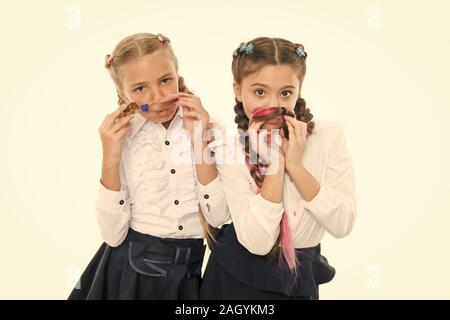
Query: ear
[{"x": 237, "y": 91}]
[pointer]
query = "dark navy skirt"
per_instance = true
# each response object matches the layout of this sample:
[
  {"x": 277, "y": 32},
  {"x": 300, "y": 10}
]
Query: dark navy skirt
[
  {"x": 234, "y": 273},
  {"x": 143, "y": 267}
]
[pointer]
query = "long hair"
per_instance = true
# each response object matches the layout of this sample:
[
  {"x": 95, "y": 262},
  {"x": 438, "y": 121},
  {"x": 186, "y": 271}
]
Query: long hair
[
  {"x": 270, "y": 51},
  {"x": 141, "y": 44}
]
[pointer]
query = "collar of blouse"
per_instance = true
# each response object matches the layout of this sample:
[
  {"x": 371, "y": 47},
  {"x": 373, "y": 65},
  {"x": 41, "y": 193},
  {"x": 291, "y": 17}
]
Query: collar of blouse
[{"x": 139, "y": 122}]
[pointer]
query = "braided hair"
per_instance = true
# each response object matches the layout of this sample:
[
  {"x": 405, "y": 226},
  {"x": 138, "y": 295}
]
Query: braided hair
[
  {"x": 248, "y": 59},
  {"x": 137, "y": 45}
]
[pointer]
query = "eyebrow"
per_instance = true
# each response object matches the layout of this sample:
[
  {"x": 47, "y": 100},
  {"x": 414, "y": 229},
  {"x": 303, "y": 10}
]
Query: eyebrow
[
  {"x": 138, "y": 84},
  {"x": 166, "y": 75},
  {"x": 265, "y": 86},
  {"x": 259, "y": 85},
  {"x": 160, "y": 78}
]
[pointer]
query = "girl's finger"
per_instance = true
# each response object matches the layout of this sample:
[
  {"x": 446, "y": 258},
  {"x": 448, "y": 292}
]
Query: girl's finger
[
  {"x": 197, "y": 103},
  {"x": 283, "y": 136},
  {"x": 198, "y": 113},
  {"x": 193, "y": 114},
  {"x": 264, "y": 140},
  {"x": 191, "y": 104},
  {"x": 304, "y": 130},
  {"x": 284, "y": 142},
  {"x": 298, "y": 131},
  {"x": 291, "y": 131},
  {"x": 295, "y": 123},
  {"x": 277, "y": 138},
  {"x": 110, "y": 118},
  {"x": 189, "y": 95},
  {"x": 123, "y": 131},
  {"x": 253, "y": 134},
  {"x": 169, "y": 97},
  {"x": 121, "y": 122},
  {"x": 288, "y": 119},
  {"x": 299, "y": 127},
  {"x": 255, "y": 125},
  {"x": 119, "y": 110},
  {"x": 253, "y": 130}
]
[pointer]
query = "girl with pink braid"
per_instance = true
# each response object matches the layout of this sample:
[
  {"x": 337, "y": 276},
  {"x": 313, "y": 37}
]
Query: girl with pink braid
[{"x": 289, "y": 180}]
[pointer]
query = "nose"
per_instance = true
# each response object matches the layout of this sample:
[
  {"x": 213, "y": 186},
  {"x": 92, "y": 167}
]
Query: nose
[
  {"x": 274, "y": 101},
  {"x": 155, "y": 95}
]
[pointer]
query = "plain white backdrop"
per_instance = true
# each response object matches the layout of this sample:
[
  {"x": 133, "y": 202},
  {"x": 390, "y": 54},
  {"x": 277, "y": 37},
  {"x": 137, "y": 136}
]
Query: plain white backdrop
[{"x": 381, "y": 66}]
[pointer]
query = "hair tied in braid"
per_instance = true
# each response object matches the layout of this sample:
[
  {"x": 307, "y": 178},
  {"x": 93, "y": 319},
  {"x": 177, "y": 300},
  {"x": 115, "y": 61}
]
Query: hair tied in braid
[
  {"x": 246, "y": 61},
  {"x": 258, "y": 171}
]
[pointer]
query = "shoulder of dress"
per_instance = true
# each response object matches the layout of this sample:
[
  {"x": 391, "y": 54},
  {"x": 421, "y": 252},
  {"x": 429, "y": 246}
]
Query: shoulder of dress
[{"x": 328, "y": 130}]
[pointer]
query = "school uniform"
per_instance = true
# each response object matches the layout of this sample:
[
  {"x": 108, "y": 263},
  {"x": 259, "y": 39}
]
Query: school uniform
[
  {"x": 239, "y": 266},
  {"x": 153, "y": 240}
]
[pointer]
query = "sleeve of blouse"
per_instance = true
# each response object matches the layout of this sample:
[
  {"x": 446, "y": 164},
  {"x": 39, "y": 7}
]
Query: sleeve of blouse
[
  {"x": 334, "y": 207},
  {"x": 113, "y": 211},
  {"x": 213, "y": 202},
  {"x": 211, "y": 197}
]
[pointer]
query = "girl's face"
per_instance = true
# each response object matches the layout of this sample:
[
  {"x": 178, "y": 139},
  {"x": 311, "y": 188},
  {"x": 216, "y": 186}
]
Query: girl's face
[
  {"x": 148, "y": 79},
  {"x": 271, "y": 86}
]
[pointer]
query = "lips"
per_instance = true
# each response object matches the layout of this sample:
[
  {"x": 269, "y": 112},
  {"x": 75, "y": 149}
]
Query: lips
[
  {"x": 163, "y": 113},
  {"x": 166, "y": 111}
]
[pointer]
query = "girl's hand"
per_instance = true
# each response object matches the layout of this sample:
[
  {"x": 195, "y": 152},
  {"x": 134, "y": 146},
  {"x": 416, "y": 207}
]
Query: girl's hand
[
  {"x": 294, "y": 147},
  {"x": 262, "y": 144},
  {"x": 112, "y": 130},
  {"x": 193, "y": 114}
]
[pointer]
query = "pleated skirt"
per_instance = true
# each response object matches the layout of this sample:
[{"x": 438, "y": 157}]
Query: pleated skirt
[
  {"x": 235, "y": 273},
  {"x": 143, "y": 267}
]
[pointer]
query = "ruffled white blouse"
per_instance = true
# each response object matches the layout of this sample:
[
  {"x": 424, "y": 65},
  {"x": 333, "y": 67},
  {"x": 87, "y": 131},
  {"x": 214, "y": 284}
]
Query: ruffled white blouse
[
  {"x": 332, "y": 210},
  {"x": 160, "y": 194}
]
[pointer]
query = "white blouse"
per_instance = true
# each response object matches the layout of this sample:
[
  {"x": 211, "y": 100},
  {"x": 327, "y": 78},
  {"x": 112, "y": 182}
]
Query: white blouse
[
  {"x": 257, "y": 220},
  {"x": 160, "y": 194}
]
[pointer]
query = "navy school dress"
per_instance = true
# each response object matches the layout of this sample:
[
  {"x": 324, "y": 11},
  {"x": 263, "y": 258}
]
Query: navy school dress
[
  {"x": 143, "y": 267},
  {"x": 234, "y": 273}
]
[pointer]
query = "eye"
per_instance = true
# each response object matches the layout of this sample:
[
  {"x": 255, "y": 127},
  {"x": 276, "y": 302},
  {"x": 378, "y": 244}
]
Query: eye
[
  {"x": 166, "y": 80},
  {"x": 259, "y": 92},
  {"x": 139, "y": 89},
  {"x": 286, "y": 93}
]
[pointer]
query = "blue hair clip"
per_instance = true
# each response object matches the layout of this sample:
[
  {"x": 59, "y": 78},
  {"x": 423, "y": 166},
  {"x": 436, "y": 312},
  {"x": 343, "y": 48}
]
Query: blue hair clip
[
  {"x": 300, "y": 52},
  {"x": 247, "y": 49}
]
